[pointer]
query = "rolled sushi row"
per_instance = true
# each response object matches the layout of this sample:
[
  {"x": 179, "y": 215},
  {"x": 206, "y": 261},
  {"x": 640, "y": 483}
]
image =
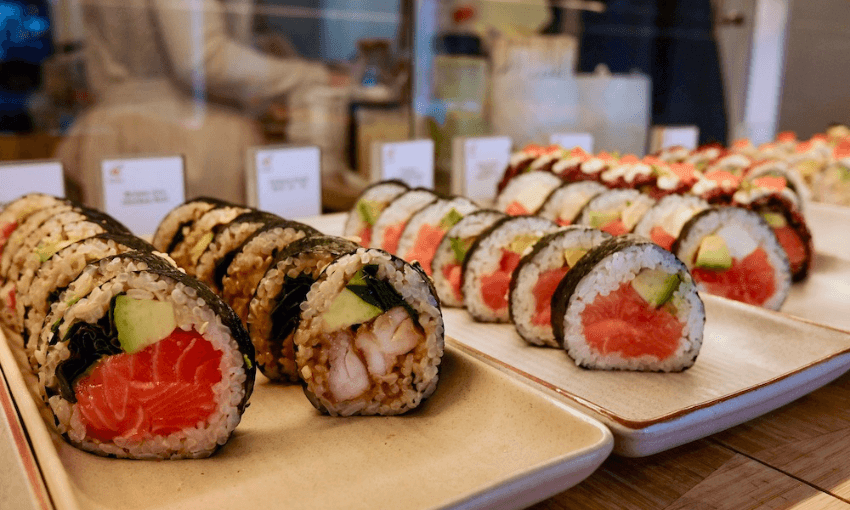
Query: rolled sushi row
[
  {"x": 134, "y": 358},
  {"x": 504, "y": 268},
  {"x": 360, "y": 329},
  {"x": 767, "y": 237}
]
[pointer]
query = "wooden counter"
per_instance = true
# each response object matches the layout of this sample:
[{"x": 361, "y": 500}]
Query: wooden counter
[{"x": 797, "y": 457}]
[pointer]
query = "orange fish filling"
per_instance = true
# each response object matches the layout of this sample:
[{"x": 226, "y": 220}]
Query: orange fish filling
[{"x": 749, "y": 280}]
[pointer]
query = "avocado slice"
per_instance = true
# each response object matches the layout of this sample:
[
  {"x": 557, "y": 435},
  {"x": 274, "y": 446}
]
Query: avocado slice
[
  {"x": 775, "y": 219},
  {"x": 201, "y": 246},
  {"x": 450, "y": 219},
  {"x": 599, "y": 219},
  {"x": 368, "y": 211},
  {"x": 142, "y": 322},
  {"x": 713, "y": 253},
  {"x": 347, "y": 309},
  {"x": 522, "y": 242},
  {"x": 572, "y": 255},
  {"x": 656, "y": 286}
]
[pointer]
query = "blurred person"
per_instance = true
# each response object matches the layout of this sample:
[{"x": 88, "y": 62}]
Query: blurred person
[{"x": 169, "y": 77}]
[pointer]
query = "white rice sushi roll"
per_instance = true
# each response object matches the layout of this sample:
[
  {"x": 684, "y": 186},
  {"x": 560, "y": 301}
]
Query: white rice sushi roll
[
  {"x": 386, "y": 232},
  {"x": 616, "y": 211},
  {"x": 566, "y": 201},
  {"x": 732, "y": 252},
  {"x": 426, "y": 228},
  {"x": 525, "y": 193},
  {"x": 371, "y": 337},
  {"x": 447, "y": 265},
  {"x": 369, "y": 205},
  {"x": 538, "y": 275},
  {"x": 490, "y": 263},
  {"x": 664, "y": 221},
  {"x": 629, "y": 305}
]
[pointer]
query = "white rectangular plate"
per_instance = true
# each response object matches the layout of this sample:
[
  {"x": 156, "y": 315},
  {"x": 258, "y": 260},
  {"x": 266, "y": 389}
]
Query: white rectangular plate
[
  {"x": 483, "y": 440},
  {"x": 829, "y": 225},
  {"x": 752, "y": 361}
]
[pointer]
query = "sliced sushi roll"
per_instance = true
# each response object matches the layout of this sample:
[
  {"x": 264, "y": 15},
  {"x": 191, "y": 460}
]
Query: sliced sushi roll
[
  {"x": 17, "y": 211},
  {"x": 732, "y": 252},
  {"x": 774, "y": 177},
  {"x": 615, "y": 211},
  {"x": 568, "y": 167},
  {"x": 628, "y": 172},
  {"x": 791, "y": 231},
  {"x": 251, "y": 260},
  {"x": 717, "y": 187},
  {"x": 199, "y": 235},
  {"x": 520, "y": 162},
  {"x": 177, "y": 223},
  {"x": 664, "y": 221},
  {"x": 629, "y": 305},
  {"x": 391, "y": 222},
  {"x": 538, "y": 275},
  {"x": 448, "y": 259},
  {"x": 567, "y": 200},
  {"x": 274, "y": 312},
  {"x": 426, "y": 228},
  {"x": 149, "y": 365},
  {"x": 526, "y": 193},
  {"x": 371, "y": 337},
  {"x": 54, "y": 234},
  {"x": 369, "y": 206},
  {"x": 90, "y": 278},
  {"x": 225, "y": 240},
  {"x": 25, "y": 228},
  {"x": 62, "y": 268},
  {"x": 735, "y": 163},
  {"x": 672, "y": 179},
  {"x": 491, "y": 260}
]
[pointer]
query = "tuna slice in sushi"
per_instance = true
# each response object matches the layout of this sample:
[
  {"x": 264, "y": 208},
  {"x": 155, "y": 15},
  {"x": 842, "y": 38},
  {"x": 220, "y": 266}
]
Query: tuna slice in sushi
[
  {"x": 369, "y": 206},
  {"x": 371, "y": 336},
  {"x": 387, "y": 229},
  {"x": 732, "y": 252},
  {"x": 629, "y": 305}
]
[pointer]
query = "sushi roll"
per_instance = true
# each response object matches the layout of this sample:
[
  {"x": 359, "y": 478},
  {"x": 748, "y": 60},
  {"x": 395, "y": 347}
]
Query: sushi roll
[
  {"x": 664, "y": 221},
  {"x": 629, "y": 305},
  {"x": 198, "y": 236},
  {"x": 773, "y": 177},
  {"x": 426, "y": 228},
  {"x": 628, "y": 172},
  {"x": 567, "y": 200},
  {"x": 391, "y": 222},
  {"x": 178, "y": 222},
  {"x": 526, "y": 193},
  {"x": 371, "y": 337},
  {"x": 275, "y": 310},
  {"x": 369, "y": 206},
  {"x": 538, "y": 275},
  {"x": 253, "y": 257},
  {"x": 149, "y": 328},
  {"x": 224, "y": 241},
  {"x": 791, "y": 231},
  {"x": 568, "y": 167},
  {"x": 14, "y": 213},
  {"x": 732, "y": 252},
  {"x": 520, "y": 162},
  {"x": 616, "y": 211},
  {"x": 63, "y": 267},
  {"x": 448, "y": 259},
  {"x": 491, "y": 260}
]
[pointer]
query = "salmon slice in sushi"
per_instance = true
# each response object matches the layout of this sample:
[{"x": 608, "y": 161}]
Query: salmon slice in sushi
[
  {"x": 538, "y": 275},
  {"x": 426, "y": 228},
  {"x": 369, "y": 206},
  {"x": 628, "y": 304},
  {"x": 447, "y": 265},
  {"x": 490, "y": 263},
  {"x": 371, "y": 337},
  {"x": 732, "y": 252},
  {"x": 664, "y": 221}
]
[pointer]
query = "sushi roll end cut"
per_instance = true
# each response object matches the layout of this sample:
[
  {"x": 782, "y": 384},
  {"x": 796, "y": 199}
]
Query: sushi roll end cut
[{"x": 629, "y": 305}]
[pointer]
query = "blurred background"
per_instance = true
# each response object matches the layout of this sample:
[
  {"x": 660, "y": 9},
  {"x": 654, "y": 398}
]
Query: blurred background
[{"x": 85, "y": 79}]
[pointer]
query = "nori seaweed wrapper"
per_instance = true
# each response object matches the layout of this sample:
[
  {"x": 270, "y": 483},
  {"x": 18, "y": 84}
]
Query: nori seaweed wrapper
[
  {"x": 179, "y": 235},
  {"x": 776, "y": 203}
]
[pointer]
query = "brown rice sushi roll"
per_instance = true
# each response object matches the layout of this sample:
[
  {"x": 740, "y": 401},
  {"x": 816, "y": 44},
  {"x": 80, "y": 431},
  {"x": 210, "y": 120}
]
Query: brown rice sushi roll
[
  {"x": 369, "y": 205},
  {"x": 371, "y": 337},
  {"x": 251, "y": 260},
  {"x": 447, "y": 265},
  {"x": 538, "y": 275},
  {"x": 14, "y": 213},
  {"x": 198, "y": 236},
  {"x": 225, "y": 240},
  {"x": 275, "y": 310},
  {"x": 178, "y": 222}
]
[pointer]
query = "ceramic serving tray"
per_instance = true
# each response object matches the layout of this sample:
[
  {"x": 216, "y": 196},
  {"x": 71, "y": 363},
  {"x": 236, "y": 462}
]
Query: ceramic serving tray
[
  {"x": 830, "y": 227},
  {"x": 483, "y": 440},
  {"x": 752, "y": 361}
]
